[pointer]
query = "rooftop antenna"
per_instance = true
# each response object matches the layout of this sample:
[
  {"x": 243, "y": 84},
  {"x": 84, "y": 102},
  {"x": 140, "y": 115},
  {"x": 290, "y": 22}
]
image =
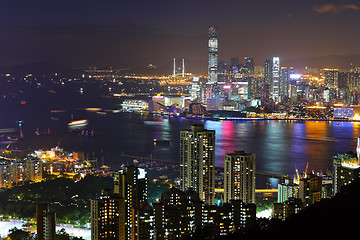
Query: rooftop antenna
[
  {"x": 183, "y": 68},
  {"x": 174, "y": 69}
]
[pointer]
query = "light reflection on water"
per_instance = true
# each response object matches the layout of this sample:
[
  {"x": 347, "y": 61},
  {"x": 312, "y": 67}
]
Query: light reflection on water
[{"x": 279, "y": 145}]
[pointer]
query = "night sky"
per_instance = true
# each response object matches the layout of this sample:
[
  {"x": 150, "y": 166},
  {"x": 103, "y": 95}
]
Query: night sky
[{"x": 134, "y": 33}]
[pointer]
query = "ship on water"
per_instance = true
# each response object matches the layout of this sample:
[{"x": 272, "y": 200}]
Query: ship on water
[{"x": 78, "y": 125}]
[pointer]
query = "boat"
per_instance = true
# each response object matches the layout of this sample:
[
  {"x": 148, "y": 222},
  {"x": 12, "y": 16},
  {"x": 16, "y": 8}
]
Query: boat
[
  {"x": 38, "y": 133},
  {"x": 153, "y": 122},
  {"x": 101, "y": 112},
  {"x": 78, "y": 124},
  {"x": 161, "y": 142}
]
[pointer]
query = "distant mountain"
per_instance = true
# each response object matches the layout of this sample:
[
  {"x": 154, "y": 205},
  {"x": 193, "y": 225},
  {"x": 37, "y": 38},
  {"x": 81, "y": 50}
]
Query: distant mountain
[
  {"x": 37, "y": 68},
  {"x": 166, "y": 67},
  {"x": 333, "y": 61}
]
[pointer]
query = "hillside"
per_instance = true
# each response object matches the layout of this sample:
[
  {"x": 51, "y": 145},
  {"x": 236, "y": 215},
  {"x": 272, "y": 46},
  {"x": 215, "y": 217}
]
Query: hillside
[{"x": 330, "y": 218}]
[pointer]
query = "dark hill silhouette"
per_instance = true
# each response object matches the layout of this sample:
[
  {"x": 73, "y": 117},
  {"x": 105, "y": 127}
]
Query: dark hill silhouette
[{"x": 329, "y": 219}]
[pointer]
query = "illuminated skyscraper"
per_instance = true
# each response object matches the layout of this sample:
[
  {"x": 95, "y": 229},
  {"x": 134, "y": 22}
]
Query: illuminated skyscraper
[
  {"x": 197, "y": 162},
  {"x": 118, "y": 213},
  {"x": 213, "y": 54},
  {"x": 130, "y": 184},
  {"x": 239, "y": 177},
  {"x": 285, "y": 81},
  {"x": 331, "y": 77},
  {"x": 346, "y": 169},
  {"x": 249, "y": 64},
  {"x": 266, "y": 93},
  {"x": 105, "y": 216},
  {"x": 195, "y": 89},
  {"x": 275, "y": 79},
  {"x": 223, "y": 71},
  {"x": 45, "y": 222}
]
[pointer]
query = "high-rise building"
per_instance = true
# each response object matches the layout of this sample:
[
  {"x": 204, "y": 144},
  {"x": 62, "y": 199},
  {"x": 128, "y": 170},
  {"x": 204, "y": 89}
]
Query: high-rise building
[
  {"x": 346, "y": 168},
  {"x": 285, "y": 81},
  {"x": 283, "y": 210},
  {"x": 275, "y": 79},
  {"x": 106, "y": 217},
  {"x": 310, "y": 189},
  {"x": 287, "y": 189},
  {"x": 331, "y": 77},
  {"x": 45, "y": 222},
  {"x": 239, "y": 177},
  {"x": 197, "y": 162},
  {"x": 16, "y": 171},
  {"x": 243, "y": 214},
  {"x": 130, "y": 184},
  {"x": 178, "y": 213},
  {"x": 195, "y": 89},
  {"x": 223, "y": 72},
  {"x": 249, "y": 64},
  {"x": 213, "y": 54},
  {"x": 119, "y": 213},
  {"x": 267, "y": 86}
]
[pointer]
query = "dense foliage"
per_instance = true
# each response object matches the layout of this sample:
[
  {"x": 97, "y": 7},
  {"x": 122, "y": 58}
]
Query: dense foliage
[{"x": 70, "y": 200}]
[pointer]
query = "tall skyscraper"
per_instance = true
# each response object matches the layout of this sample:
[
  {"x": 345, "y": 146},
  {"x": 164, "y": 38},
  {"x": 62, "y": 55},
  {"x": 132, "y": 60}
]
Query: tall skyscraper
[
  {"x": 249, "y": 64},
  {"x": 197, "y": 162},
  {"x": 285, "y": 81},
  {"x": 310, "y": 188},
  {"x": 213, "y": 54},
  {"x": 239, "y": 177},
  {"x": 267, "y": 80},
  {"x": 195, "y": 89},
  {"x": 45, "y": 222},
  {"x": 117, "y": 214},
  {"x": 130, "y": 184},
  {"x": 105, "y": 216},
  {"x": 275, "y": 79},
  {"x": 223, "y": 71},
  {"x": 346, "y": 168},
  {"x": 331, "y": 78}
]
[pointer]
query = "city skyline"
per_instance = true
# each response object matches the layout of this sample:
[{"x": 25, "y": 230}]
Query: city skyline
[{"x": 129, "y": 34}]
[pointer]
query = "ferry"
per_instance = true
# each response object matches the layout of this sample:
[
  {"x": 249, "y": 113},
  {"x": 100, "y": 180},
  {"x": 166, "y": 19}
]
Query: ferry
[
  {"x": 161, "y": 142},
  {"x": 78, "y": 124}
]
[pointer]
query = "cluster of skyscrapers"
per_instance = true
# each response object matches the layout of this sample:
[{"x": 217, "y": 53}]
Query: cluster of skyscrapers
[
  {"x": 236, "y": 85},
  {"x": 123, "y": 212},
  {"x": 239, "y": 80}
]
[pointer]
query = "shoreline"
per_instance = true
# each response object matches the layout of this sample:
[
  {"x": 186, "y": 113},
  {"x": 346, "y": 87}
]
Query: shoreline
[{"x": 218, "y": 118}]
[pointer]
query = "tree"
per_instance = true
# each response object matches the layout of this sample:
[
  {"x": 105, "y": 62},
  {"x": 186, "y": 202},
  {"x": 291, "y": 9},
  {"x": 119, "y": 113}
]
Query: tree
[{"x": 18, "y": 234}]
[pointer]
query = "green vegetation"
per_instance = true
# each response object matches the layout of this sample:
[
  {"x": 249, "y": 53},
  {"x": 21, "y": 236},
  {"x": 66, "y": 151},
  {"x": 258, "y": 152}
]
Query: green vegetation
[
  {"x": 18, "y": 234},
  {"x": 70, "y": 200}
]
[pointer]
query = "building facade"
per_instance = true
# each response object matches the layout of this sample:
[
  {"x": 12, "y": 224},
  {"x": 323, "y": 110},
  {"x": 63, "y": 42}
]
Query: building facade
[
  {"x": 213, "y": 54},
  {"x": 239, "y": 177},
  {"x": 121, "y": 213},
  {"x": 197, "y": 162}
]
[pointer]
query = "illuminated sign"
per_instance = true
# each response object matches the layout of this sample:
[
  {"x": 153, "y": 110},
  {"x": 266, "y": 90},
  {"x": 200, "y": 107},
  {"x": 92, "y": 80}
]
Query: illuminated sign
[
  {"x": 343, "y": 112},
  {"x": 141, "y": 173},
  {"x": 295, "y": 76}
]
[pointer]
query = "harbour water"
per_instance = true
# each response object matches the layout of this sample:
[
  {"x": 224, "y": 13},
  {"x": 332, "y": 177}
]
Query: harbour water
[{"x": 280, "y": 146}]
